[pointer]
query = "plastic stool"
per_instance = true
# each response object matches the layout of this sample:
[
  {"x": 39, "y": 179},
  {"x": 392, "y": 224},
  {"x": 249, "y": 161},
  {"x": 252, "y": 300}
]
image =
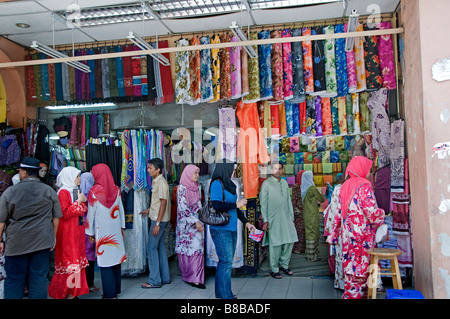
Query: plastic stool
[{"x": 376, "y": 255}]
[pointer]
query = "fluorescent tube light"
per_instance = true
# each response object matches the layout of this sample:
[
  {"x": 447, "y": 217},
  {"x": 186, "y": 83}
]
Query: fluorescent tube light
[
  {"x": 241, "y": 36},
  {"x": 351, "y": 27},
  {"x": 80, "y": 106},
  {"x": 56, "y": 54},
  {"x": 144, "y": 45}
]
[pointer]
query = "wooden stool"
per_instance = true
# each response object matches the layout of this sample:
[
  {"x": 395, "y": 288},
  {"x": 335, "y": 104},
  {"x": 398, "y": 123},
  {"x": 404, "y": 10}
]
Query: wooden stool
[{"x": 376, "y": 255}]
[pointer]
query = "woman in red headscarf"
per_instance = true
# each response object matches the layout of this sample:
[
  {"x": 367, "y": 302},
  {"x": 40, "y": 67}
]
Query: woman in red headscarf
[
  {"x": 297, "y": 204},
  {"x": 356, "y": 221},
  {"x": 105, "y": 224}
]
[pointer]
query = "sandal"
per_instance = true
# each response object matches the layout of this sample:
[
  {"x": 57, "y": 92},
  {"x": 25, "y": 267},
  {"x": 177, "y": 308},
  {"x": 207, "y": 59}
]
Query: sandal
[
  {"x": 147, "y": 285},
  {"x": 287, "y": 271},
  {"x": 276, "y": 275}
]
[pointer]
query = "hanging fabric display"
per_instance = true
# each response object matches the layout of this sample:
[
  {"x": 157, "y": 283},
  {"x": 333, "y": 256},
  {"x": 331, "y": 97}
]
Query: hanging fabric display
[
  {"x": 227, "y": 133},
  {"x": 265, "y": 71},
  {"x": 349, "y": 110},
  {"x": 275, "y": 120},
  {"x": 282, "y": 117},
  {"x": 182, "y": 81},
  {"x": 295, "y": 118},
  {"x": 302, "y": 117},
  {"x": 298, "y": 80},
  {"x": 287, "y": 66},
  {"x": 194, "y": 73},
  {"x": 356, "y": 114},
  {"x": 330, "y": 63},
  {"x": 364, "y": 112},
  {"x": 253, "y": 74},
  {"x": 119, "y": 70},
  {"x": 113, "y": 90},
  {"x": 342, "y": 115},
  {"x": 386, "y": 55},
  {"x": 358, "y": 50},
  {"x": 236, "y": 77},
  {"x": 127, "y": 75},
  {"x": 205, "y": 72},
  {"x": 244, "y": 72},
  {"x": 323, "y": 112},
  {"x": 310, "y": 127},
  {"x": 163, "y": 77},
  {"x": 374, "y": 80},
  {"x": 225, "y": 69},
  {"x": 334, "y": 116},
  {"x": 215, "y": 63},
  {"x": 318, "y": 63},
  {"x": 308, "y": 62},
  {"x": 341, "y": 63},
  {"x": 277, "y": 67},
  {"x": 135, "y": 71}
]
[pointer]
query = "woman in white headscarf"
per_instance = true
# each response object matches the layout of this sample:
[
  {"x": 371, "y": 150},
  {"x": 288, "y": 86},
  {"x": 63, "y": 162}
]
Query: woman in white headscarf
[
  {"x": 69, "y": 279},
  {"x": 311, "y": 197}
]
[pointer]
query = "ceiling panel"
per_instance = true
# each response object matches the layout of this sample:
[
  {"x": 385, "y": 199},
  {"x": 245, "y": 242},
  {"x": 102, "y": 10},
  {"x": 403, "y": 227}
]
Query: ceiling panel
[{"x": 19, "y": 7}]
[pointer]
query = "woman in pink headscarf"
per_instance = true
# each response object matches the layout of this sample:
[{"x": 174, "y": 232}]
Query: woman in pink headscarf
[
  {"x": 190, "y": 231},
  {"x": 356, "y": 221}
]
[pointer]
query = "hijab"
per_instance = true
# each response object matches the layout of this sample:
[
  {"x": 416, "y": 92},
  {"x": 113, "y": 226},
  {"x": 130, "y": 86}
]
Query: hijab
[
  {"x": 66, "y": 180},
  {"x": 357, "y": 170},
  {"x": 307, "y": 182},
  {"x": 87, "y": 181},
  {"x": 192, "y": 190},
  {"x": 104, "y": 188},
  {"x": 223, "y": 171}
]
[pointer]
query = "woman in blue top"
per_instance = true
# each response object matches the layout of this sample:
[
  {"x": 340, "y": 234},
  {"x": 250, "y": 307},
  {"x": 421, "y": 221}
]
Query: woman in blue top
[{"x": 225, "y": 237}]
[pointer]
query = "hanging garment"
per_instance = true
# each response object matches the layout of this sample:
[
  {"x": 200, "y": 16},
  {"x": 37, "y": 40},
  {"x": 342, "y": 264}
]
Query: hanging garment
[
  {"x": 182, "y": 80},
  {"x": 227, "y": 133},
  {"x": 127, "y": 72},
  {"x": 335, "y": 116},
  {"x": 98, "y": 74},
  {"x": 265, "y": 69},
  {"x": 93, "y": 125},
  {"x": 374, "y": 80},
  {"x": 119, "y": 71},
  {"x": 308, "y": 71},
  {"x": 298, "y": 81},
  {"x": 356, "y": 114},
  {"x": 277, "y": 67},
  {"x": 267, "y": 119},
  {"x": 163, "y": 77},
  {"x": 236, "y": 74},
  {"x": 289, "y": 119},
  {"x": 194, "y": 73},
  {"x": 215, "y": 63},
  {"x": 65, "y": 82},
  {"x": 37, "y": 74},
  {"x": 358, "y": 50},
  {"x": 30, "y": 85},
  {"x": 364, "y": 112},
  {"x": 225, "y": 69},
  {"x": 387, "y": 60},
  {"x": 349, "y": 110},
  {"x": 310, "y": 127},
  {"x": 144, "y": 76},
  {"x": 330, "y": 63},
  {"x": 275, "y": 120},
  {"x": 282, "y": 117},
  {"x": 397, "y": 156},
  {"x": 205, "y": 72},
  {"x": 342, "y": 115},
  {"x": 295, "y": 118},
  {"x": 135, "y": 73},
  {"x": 287, "y": 66},
  {"x": 252, "y": 148},
  {"x": 381, "y": 128},
  {"x": 91, "y": 64},
  {"x": 323, "y": 110},
  {"x": 302, "y": 116},
  {"x": 244, "y": 71},
  {"x": 51, "y": 81},
  {"x": 318, "y": 63},
  {"x": 341, "y": 63},
  {"x": 78, "y": 81},
  {"x": 113, "y": 90},
  {"x": 253, "y": 74},
  {"x": 105, "y": 74}
]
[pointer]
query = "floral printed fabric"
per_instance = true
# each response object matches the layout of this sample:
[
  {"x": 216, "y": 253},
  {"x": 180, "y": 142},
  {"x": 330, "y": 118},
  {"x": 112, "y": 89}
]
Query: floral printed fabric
[
  {"x": 287, "y": 66},
  {"x": 215, "y": 69},
  {"x": 298, "y": 80},
  {"x": 327, "y": 124},
  {"x": 265, "y": 70},
  {"x": 225, "y": 69},
  {"x": 358, "y": 49},
  {"x": 356, "y": 114},
  {"x": 182, "y": 81},
  {"x": 277, "y": 67},
  {"x": 341, "y": 63},
  {"x": 318, "y": 63},
  {"x": 335, "y": 116},
  {"x": 253, "y": 74},
  {"x": 351, "y": 68},
  {"x": 364, "y": 111},
  {"x": 357, "y": 231},
  {"x": 330, "y": 63},
  {"x": 374, "y": 80},
  {"x": 349, "y": 109},
  {"x": 319, "y": 115},
  {"x": 342, "y": 115},
  {"x": 386, "y": 55},
  {"x": 194, "y": 72},
  {"x": 310, "y": 126},
  {"x": 205, "y": 72},
  {"x": 308, "y": 71},
  {"x": 244, "y": 72},
  {"x": 236, "y": 79}
]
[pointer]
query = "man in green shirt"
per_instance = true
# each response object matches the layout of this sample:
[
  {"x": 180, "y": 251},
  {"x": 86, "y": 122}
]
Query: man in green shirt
[{"x": 278, "y": 217}]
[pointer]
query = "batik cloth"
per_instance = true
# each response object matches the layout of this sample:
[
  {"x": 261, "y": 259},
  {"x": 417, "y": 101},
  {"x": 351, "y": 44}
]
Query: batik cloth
[
  {"x": 265, "y": 70},
  {"x": 182, "y": 78},
  {"x": 310, "y": 126},
  {"x": 287, "y": 66},
  {"x": 318, "y": 63},
  {"x": 356, "y": 115},
  {"x": 364, "y": 112},
  {"x": 225, "y": 69},
  {"x": 215, "y": 64},
  {"x": 308, "y": 71},
  {"x": 227, "y": 131},
  {"x": 253, "y": 74},
  {"x": 277, "y": 67},
  {"x": 330, "y": 63},
  {"x": 298, "y": 80},
  {"x": 205, "y": 72},
  {"x": 387, "y": 60},
  {"x": 358, "y": 50},
  {"x": 236, "y": 74},
  {"x": 335, "y": 116},
  {"x": 374, "y": 80},
  {"x": 327, "y": 123},
  {"x": 194, "y": 73},
  {"x": 341, "y": 63}
]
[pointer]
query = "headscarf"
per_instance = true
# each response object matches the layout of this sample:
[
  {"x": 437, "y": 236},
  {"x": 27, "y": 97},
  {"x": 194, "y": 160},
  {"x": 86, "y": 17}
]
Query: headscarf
[
  {"x": 87, "y": 181},
  {"x": 192, "y": 190},
  {"x": 66, "y": 180},
  {"x": 223, "y": 171},
  {"x": 104, "y": 188},
  {"x": 307, "y": 182},
  {"x": 298, "y": 179},
  {"x": 357, "y": 169}
]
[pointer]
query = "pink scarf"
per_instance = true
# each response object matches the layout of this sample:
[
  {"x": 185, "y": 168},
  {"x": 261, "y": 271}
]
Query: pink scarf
[
  {"x": 357, "y": 169},
  {"x": 192, "y": 190}
]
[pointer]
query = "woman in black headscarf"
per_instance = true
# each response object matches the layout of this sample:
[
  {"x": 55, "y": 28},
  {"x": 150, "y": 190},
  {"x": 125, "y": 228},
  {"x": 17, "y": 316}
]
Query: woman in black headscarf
[{"x": 224, "y": 198}]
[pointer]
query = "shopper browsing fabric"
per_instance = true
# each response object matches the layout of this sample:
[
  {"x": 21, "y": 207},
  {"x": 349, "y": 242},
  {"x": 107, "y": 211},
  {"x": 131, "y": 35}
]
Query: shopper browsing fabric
[
  {"x": 224, "y": 198},
  {"x": 87, "y": 181},
  {"x": 311, "y": 197},
  {"x": 335, "y": 256},
  {"x": 356, "y": 222},
  {"x": 159, "y": 214},
  {"x": 297, "y": 204},
  {"x": 278, "y": 216},
  {"x": 31, "y": 212},
  {"x": 69, "y": 279},
  {"x": 106, "y": 222},
  {"x": 190, "y": 236}
]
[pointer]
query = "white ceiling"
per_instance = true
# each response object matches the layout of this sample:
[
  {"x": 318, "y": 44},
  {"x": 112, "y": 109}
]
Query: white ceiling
[{"x": 45, "y": 29}]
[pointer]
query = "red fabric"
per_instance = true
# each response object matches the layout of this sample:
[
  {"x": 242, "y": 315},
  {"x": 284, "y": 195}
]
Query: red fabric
[
  {"x": 166, "y": 76},
  {"x": 104, "y": 188},
  {"x": 128, "y": 72},
  {"x": 70, "y": 251},
  {"x": 298, "y": 179},
  {"x": 357, "y": 169}
]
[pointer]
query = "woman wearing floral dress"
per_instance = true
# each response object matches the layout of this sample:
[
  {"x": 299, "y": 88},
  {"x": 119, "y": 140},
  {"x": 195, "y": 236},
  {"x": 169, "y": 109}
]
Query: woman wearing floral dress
[
  {"x": 356, "y": 222},
  {"x": 190, "y": 230}
]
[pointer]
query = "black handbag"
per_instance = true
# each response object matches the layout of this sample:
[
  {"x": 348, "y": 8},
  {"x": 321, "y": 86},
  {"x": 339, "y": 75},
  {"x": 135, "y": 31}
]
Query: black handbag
[{"x": 208, "y": 215}]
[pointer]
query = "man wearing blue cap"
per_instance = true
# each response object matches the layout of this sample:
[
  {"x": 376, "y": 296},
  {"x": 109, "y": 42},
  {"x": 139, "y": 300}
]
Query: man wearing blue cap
[{"x": 30, "y": 210}]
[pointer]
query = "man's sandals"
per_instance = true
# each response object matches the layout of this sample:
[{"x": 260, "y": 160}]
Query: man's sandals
[{"x": 277, "y": 275}]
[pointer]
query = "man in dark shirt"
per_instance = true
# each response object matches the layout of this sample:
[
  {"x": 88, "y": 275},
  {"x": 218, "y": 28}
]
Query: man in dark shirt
[{"x": 30, "y": 211}]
